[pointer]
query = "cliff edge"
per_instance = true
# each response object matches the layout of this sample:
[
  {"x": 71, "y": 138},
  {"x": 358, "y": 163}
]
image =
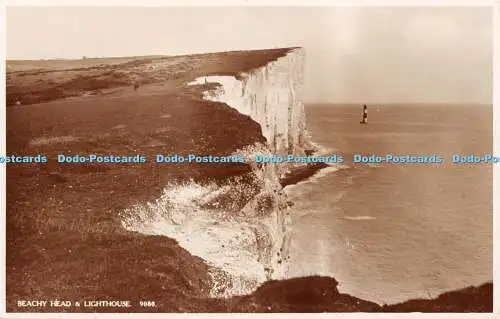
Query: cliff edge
[
  {"x": 272, "y": 95},
  {"x": 247, "y": 238}
]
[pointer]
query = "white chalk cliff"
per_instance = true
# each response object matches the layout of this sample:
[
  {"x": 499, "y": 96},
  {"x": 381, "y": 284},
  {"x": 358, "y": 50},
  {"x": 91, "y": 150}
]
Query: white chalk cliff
[
  {"x": 251, "y": 245},
  {"x": 272, "y": 96}
]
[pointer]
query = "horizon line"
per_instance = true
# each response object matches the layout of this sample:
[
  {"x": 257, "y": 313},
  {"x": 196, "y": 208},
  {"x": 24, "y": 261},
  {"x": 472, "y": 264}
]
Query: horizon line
[{"x": 400, "y": 103}]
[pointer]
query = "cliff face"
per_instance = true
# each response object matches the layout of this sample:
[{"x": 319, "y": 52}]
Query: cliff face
[
  {"x": 246, "y": 240},
  {"x": 272, "y": 96}
]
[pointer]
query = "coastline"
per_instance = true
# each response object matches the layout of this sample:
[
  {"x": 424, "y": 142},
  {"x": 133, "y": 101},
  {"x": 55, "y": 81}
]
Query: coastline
[{"x": 43, "y": 208}]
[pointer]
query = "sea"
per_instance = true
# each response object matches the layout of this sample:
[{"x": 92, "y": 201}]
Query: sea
[{"x": 393, "y": 232}]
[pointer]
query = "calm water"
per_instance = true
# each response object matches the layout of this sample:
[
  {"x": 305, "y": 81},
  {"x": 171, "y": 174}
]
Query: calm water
[{"x": 391, "y": 233}]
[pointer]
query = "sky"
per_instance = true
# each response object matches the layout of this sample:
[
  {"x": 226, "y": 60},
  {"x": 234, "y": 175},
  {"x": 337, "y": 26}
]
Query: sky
[{"x": 353, "y": 54}]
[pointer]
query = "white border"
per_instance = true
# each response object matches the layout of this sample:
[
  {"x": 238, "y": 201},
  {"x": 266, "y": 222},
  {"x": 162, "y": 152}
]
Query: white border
[
  {"x": 287, "y": 3},
  {"x": 352, "y": 3},
  {"x": 3, "y": 150},
  {"x": 496, "y": 149}
]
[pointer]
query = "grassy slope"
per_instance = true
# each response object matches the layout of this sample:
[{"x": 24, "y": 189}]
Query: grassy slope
[
  {"x": 320, "y": 294},
  {"x": 64, "y": 238},
  {"x": 52, "y": 209}
]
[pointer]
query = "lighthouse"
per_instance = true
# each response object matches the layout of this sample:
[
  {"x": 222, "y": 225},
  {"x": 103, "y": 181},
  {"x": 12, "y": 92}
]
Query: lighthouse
[{"x": 364, "y": 119}]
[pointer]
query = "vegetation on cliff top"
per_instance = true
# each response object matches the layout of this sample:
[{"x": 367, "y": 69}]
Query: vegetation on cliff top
[{"x": 31, "y": 82}]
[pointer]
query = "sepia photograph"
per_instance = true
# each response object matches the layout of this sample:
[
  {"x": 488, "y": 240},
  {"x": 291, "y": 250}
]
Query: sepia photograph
[{"x": 249, "y": 159}]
